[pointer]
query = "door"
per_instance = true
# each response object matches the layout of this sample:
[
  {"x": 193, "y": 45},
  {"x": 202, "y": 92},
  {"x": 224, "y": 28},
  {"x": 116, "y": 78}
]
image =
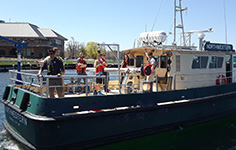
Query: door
[{"x": 234, "y": 68}]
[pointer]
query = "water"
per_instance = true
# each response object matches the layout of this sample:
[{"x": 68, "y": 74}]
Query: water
[
  {"x": 213, "y": 135},
  {"x": 6, "y": 143}
]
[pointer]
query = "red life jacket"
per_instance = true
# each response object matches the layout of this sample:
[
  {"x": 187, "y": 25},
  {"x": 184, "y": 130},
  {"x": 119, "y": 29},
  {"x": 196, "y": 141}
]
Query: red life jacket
[
  {"x": 100, "y": 68},
  {"x": 103, "y": 60},
  {"x": 78, "y": 68}
]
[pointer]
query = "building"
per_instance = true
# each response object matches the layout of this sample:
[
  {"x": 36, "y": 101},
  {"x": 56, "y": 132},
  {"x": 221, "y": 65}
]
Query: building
[{"x": 39, "y": 40}]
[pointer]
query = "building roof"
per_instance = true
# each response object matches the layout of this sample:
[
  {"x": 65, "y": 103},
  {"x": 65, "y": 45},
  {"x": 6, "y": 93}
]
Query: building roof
[
  {"x": 27, "y": 30},
  {"x": 49, "y": 33}
]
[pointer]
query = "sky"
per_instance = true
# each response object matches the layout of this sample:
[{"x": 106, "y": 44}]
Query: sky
[{"x": 122, "y": 21}]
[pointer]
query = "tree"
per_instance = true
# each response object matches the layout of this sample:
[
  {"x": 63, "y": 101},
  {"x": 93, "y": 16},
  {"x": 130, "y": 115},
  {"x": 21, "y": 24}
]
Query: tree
[
  {"x": 72, "y": 48},
  {"x": 82, "y": 49},
  {"x": 92, "y": 50}
]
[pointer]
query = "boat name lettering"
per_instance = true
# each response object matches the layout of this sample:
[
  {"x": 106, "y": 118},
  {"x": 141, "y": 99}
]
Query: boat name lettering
[
  {"x": 218, "y": 47},
  {"x": 16, "y": 116}
]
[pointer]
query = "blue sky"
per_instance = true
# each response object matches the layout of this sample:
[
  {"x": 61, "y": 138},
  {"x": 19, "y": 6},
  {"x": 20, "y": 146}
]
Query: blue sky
[{"x": 121, "y": 21}]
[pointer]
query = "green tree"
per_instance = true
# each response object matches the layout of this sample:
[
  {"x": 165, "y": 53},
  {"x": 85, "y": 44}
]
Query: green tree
[{"x": 92, "y": 50}]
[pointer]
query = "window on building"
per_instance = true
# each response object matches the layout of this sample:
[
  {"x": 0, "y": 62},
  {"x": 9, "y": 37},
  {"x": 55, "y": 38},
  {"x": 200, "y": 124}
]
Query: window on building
[
  {"x": 31, "y": 40},
  {"x": 28, "y": 52},
  {"x": 216, "y": 62},
  {"x": 13, "y": 51},
  {"x": 199, "y": 62},
  {"x": 58, "y": 42},
  {"x": 2, "y": 52}
]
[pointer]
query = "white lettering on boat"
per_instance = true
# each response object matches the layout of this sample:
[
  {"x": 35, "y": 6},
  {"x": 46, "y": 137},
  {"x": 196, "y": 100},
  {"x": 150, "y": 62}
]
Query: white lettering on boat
[{"x": 15, "y": 116}]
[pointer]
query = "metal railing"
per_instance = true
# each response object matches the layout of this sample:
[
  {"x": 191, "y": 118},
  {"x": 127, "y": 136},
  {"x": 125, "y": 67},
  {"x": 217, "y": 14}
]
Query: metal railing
[{"x": 40, "y": 85}]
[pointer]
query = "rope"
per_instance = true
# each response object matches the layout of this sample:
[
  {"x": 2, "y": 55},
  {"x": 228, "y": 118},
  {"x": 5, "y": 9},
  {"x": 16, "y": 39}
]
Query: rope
[
  {"x": 225, "y": 23},
  {"x": 157, "y": 15}
]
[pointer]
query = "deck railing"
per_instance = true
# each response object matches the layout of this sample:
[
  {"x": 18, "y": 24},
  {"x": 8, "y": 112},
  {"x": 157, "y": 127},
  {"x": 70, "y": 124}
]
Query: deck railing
[{"x": 40, "y": 85}]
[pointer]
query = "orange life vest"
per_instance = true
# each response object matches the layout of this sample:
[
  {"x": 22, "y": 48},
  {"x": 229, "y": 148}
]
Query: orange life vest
[{"x": 78, "y": 68}]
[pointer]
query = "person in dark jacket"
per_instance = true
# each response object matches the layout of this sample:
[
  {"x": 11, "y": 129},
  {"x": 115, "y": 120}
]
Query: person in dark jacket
[{"x": 54, "y": 66}]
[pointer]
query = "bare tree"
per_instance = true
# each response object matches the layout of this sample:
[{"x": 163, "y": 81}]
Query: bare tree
[{"x": 72, "y": 48}]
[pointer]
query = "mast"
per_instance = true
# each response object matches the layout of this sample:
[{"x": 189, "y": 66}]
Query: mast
[
  {"x": 174, "y": 42},
  {"x": 178, "y": 8}
]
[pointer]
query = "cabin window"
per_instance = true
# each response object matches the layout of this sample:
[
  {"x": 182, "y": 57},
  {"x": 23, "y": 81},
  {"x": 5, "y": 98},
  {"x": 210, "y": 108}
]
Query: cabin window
[
  {"x": 163, "y": 61},
  {"x": 216, "y": 62},
  {"x": 139, "y": 61},
  {"x": 131, "y": 62},
  {"x": 234, "y": 61},
  {"x": 199, "y": 62},
  {"x": 177, "y": 63},
  {"x": 156, "y": 57}
]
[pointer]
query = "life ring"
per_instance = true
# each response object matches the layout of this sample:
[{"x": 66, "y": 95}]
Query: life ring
[
  {"x": 221, "y": 79},
  {"x": 146, "y": 70}
]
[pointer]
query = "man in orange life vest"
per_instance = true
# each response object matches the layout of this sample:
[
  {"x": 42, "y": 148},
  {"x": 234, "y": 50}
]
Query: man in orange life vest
[
  {"x": 152, "y": 63},
  {"x": 81, "y": 67}
]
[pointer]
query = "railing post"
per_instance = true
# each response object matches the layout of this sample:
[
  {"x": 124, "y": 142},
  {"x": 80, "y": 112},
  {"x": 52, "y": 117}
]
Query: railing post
[
  {"x": 107, "y": 82},
  {"x": 86, "y": 88},
  {"x": 47, "y": 88},
  {"x": 41, "y": 85},
  {"x": 174, "y": 81},
  {"x": 10, "y": 76},
  {"x": 156, "y": 83}
]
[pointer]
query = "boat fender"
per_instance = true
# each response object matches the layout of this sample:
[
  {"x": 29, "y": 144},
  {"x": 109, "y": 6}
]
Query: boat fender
[
  {"x": 145, "y": 70},
  {"x": 6, "y": 93},
  {"x": 25, "y": 101},
  {"x": 221, "y": 79}
]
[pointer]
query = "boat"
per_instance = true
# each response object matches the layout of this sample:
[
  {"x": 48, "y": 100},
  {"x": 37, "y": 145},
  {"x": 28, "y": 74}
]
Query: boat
[{"x": 191, "y": 86}]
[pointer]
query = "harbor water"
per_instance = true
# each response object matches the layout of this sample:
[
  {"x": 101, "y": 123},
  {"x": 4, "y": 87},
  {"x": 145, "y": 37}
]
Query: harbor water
[
  {"x": 6, "y": 143},
  {"x": 218, "y": 134}
]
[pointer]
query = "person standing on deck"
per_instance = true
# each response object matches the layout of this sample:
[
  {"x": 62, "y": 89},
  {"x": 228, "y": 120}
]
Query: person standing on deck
[
  {"x": 81, "y": 67},
  {"x": 54, "y": 66},
  {"x": 98, "y": 65},
  {"x": 57, "y": 54},
  {"x": 152, "y": 63},
  {"x": 105, "y": 80}
]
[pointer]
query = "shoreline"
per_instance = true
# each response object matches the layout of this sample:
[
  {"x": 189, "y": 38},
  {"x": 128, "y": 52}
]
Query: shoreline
[{"x": 6, "y": 68}]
